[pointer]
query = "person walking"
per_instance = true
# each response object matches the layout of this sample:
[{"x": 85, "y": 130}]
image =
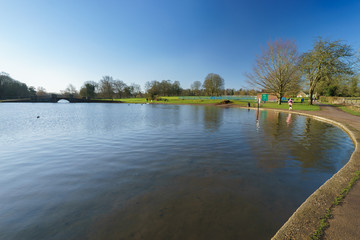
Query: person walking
[{"x": 290, "y": 102}]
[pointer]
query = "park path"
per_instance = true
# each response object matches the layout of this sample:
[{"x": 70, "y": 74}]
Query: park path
[{"x": 345, "y": 223}]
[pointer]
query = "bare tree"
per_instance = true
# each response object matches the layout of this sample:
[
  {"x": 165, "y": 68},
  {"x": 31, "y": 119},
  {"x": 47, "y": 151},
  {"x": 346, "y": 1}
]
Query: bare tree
[
  {"x": 41, "y": 91},
  {"x": 106, "y": 87},
  {"x": 119, "y": 87},
  {"x": 69, "y": 90},
  {"x": 276, "y": 69}
]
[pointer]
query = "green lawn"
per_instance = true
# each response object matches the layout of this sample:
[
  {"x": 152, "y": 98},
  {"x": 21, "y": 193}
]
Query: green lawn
[
  {"x": 296, "y": 106},
  {"x": 169, "y": 100},
  {"x": 177, "y": 100}
]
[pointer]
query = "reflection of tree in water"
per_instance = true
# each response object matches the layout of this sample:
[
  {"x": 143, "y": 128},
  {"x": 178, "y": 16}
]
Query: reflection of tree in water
[
  {"x": 159, "y": 115},
  {"x": 271, "y": 150},
  {"x": 313, "y": 146},
  {"x": 282, "y": 140},
  {"x": 196, "y": 113},
  {"x": 213, "y": 117}
]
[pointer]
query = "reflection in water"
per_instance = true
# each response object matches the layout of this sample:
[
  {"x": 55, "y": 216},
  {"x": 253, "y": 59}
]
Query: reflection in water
[
  {"x": 288, "y": 119},
  {"x": 212, "y": 118},
  {"x": 119, "y": 171},
  {"x": 313, "y": 139},
  {"x": 306, "y": 143}
]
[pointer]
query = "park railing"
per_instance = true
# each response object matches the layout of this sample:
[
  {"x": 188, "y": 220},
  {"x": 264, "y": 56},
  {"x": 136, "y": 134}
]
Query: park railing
[{"x": 238, "y": 98}]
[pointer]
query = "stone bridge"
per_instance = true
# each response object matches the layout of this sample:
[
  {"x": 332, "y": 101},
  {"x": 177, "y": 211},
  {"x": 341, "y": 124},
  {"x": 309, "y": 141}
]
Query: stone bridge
[{"x": 54, "y": 98}]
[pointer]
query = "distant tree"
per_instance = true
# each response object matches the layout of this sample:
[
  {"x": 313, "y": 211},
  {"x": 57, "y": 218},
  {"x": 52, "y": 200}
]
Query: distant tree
[
  {"x": 241, "y": 92},
  {"x": 163, "y": 88},
  {"x": 196, "y": 87},
  {"x": 119, "y": 88},
  {"x": 251, "y": 92},
  {"x": 32, "y": 91},
  {"x": 276, "y": 69},
  {"x": 69, "y": 90},
  {"x": 135, "y": 90},
  {"x": 106, "y": 87},
  {"x": 213, "y": 84},
  {"x": 41, "y": 91},
  {"x": 187, "y": 92},
  {"x": 152, "y": 89},
  {"x": 326, "y": 61},
  {"x": 128, "y": 91},
  {"x": 229, "y": 91},
  {"x": 10, "y": 88},
  {"x": 89, "y": 89},
  {"x": 176, "y": 89}
]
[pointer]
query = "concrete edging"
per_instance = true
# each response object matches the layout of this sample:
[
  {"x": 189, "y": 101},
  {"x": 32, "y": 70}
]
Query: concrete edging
[{"x": 306, "y": 219}]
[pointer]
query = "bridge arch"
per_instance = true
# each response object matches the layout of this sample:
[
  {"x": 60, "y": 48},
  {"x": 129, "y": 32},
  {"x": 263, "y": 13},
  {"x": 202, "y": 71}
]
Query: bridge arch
[{"x": 62, "y": 100}]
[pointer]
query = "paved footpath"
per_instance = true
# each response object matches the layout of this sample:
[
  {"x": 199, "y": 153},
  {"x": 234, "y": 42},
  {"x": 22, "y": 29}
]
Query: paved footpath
[{"x": 345, "y": 223}]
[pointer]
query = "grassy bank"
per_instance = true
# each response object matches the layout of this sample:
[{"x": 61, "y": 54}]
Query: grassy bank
[
  {"x": 296, "y": 106},
  {"x": 350, "y": 109},
  {"x": 177, "y": 100}
]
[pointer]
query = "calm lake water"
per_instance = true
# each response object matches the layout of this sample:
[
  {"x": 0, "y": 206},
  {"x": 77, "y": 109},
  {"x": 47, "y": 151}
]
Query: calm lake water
[{"x": 119, "y": 171}]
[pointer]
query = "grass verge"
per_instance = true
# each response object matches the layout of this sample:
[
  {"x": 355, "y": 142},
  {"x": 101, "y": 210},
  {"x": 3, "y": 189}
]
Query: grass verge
[
  {"x": 350, "y": 109},
  {"x": 296, "y": 106},
  {"x": 324, "y": 221},
  {"x": 177, "y": 100}
]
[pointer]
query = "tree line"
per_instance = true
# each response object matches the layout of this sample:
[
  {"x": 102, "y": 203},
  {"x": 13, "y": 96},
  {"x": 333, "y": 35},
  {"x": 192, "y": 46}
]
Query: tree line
[
  {"x": 10, "y": 88},
  {"x": 108, "y": 87},
  {"x": 330, "y": 69}
]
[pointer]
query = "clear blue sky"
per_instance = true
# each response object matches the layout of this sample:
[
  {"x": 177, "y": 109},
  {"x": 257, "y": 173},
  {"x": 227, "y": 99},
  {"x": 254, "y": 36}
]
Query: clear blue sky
[{"x": 53, "y": 43}]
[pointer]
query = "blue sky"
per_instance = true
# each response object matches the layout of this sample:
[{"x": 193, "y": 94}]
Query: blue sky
[{"x": 53, "y": 43}]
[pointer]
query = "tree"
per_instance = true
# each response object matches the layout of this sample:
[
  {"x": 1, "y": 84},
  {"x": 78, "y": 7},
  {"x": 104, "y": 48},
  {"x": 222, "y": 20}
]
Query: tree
[
  {"x": 152, "y": 89},
  {"x": 213, "y": 84},
  {"x": 343, "y": 85},
  {"x": 132, "y": 91},
  {"x": 195, "y": 88},
  {"x": 10, "y": 88},
  {"x": 176, "y": 89},
  {"x": 276, "y": 69},
  {"x": 135, "y": 90},
  {"x": 106, "y": 87},
  {"x": 354, "y": 90},
  {"x": 119, "y": 87},
  {"x": 163, "y": 88},
  {"x": 41, "y": 91},
  {"x": 326, "y": 61},
  {"x": 69, "y": 90},
  {"x": 230, "y": 91},
  {"x": 32, "y": 91},
  {"x": 88, "y": 90}
]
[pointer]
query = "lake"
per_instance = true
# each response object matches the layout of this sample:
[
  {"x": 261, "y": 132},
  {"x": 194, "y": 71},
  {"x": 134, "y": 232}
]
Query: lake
[{"x": 132, "y": 171}]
